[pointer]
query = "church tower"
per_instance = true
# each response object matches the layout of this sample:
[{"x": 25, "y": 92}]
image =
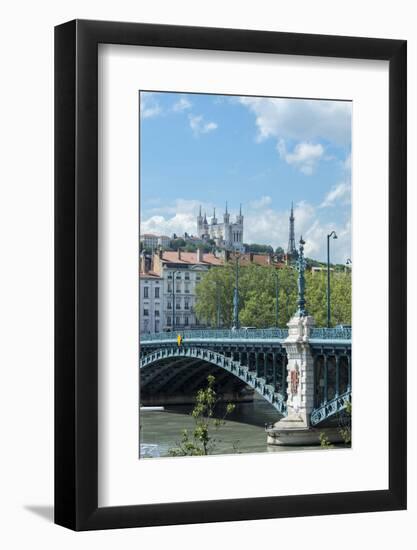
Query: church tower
[
  {"x": 200, "y": 229},
  {"x": 214, "y": 219},
  {"x": 205, "y": 226}
]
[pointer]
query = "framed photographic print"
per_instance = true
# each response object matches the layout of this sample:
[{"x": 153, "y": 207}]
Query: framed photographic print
[{"x": 230, "y": 275}]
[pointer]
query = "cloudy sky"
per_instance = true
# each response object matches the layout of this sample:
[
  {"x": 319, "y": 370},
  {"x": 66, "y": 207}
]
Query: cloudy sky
[{"x": 261, "y": 152}]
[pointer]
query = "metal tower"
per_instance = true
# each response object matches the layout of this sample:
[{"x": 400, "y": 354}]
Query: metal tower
[{"x": 291, "y": 250}]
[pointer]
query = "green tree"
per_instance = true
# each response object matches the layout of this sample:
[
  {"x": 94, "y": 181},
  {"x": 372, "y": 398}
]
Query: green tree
[
  {"x": 177, "y": 243},
  {"x": 257, "y": 295},
  {"x": 201, "y": 441}
]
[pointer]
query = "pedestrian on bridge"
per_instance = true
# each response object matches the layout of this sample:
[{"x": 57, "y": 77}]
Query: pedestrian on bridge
[{"x": 179, "y": 340}]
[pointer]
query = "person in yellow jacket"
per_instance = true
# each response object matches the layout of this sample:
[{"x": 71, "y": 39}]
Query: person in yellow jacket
[{"x": 179, "y": 340}]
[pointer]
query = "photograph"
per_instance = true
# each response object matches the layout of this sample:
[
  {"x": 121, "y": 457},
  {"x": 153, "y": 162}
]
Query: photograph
[{"x": 245, "y": 274}]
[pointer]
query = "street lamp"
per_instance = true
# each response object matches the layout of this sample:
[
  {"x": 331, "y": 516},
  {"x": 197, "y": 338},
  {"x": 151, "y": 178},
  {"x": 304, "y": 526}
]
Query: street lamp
[
  {"x": 332, "y": 234},
  {"x": 348, "y": 262},
  {"x": 218, "y": 303},
  {"x": 236, "y": 297},
  {"x": 173, "y": 299},
  {"x": 276, "y": 298}
]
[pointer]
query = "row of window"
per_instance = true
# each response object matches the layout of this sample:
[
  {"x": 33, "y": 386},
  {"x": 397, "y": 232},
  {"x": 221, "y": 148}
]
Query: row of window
[
  {"x": 187, "y": 277},
  {"x": 178, "y": 287},
  {"x": 146, "y": 312},
  {"x": 178, "y": 304},
  {"x": 178, "y": 321},
  {"x": 146, "y": 292}
]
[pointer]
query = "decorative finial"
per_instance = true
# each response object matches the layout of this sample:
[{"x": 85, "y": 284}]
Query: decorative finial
[
  {"x": 240, "y": 209},
  {"x": 226, "y": 207}
]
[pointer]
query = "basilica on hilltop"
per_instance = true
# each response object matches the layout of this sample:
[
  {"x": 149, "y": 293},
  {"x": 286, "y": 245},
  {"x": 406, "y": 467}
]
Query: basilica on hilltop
[{"x": 226, "y": 234}]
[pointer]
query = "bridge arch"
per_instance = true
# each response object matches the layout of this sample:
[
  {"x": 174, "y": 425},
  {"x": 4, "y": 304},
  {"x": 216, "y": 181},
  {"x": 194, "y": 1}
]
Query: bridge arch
[{"x": 221, "y": 361}]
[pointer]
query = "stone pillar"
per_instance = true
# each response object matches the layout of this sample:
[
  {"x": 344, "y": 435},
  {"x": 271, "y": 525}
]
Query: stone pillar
[{"x": 300, "y": 370}]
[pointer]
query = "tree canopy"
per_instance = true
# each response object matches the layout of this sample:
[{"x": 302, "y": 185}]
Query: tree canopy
[{"x": 257, "y": 296}]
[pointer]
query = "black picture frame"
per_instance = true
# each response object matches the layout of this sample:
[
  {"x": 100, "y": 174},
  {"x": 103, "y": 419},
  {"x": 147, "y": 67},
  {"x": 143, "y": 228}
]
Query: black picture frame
[{"x": 76, "y": 272}]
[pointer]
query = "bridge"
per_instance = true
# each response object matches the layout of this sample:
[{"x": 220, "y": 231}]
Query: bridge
[{"x": 267, "y": 361}]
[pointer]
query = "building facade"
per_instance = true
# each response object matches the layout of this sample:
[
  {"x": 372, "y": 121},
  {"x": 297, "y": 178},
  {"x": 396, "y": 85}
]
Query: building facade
[
  {"x": 181, "y": 272},
  {"x": 151, "y": 297},
  {"x": 149, "y": 240},
  {"x": 226, "y": 234}
]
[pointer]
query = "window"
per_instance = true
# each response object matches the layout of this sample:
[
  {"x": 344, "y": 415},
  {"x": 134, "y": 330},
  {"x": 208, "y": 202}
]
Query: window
[
  {"x": 185, "y": 320},
  {"x": 146, "y": 292},
  {"x": 187, "y": 276},
  {"x": 178, "y": 288},
  {"x": 157, "y": 292},
  {"x": 198, "y": 278},
  {"x": 187, "y": 288},
  {"x": 146, "y": 312},
  {"x": 186, "y": 304},
  {"x": 156, "y": 326},
  {"x": 169, "y": 320},
  {"x": 169, "y": 305},
  {"x": 169, "y": 287},
  {"x": 156, "y": 312},
  {"x": 178, "y": 320},
  {"x": 178, "y": 277},
  {"x": 178, "y": 304}
]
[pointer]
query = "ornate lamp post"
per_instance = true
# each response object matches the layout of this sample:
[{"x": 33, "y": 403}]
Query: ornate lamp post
[
  {"x": 236, "y": 296},
  {"x": 276, "y": 298},
  {"x": 301, "y": 266},
  {"x": 173, "y": 299},
  {"x": 218, "y": 304},
  {"x": 332, "y": 234},
  {"x": 348, "y": 262}
]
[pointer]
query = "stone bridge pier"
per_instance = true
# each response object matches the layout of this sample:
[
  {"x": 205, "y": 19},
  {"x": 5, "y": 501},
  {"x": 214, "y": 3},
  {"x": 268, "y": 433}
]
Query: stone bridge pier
[{"x": 296, "y": 427}]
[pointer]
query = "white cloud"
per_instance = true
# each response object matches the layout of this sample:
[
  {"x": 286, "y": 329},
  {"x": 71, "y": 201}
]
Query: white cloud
[
  {"x": 303, "y": 123},
  {"x": 305, "y": 155},
  {"x": 301, "y": 120},
  {"x": 339, "y": 192},
  {"x": 199, "y": 126},
  {"x": 262, "y": 202},
  {"x": 263, "y": 224},
  {"x": 149, "y": 106},
  {"x": 182, "y": 105},
  {"x": 178, "y": 218}
]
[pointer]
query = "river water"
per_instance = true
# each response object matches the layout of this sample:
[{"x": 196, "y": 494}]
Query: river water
[{"x": 244, "y": 431}]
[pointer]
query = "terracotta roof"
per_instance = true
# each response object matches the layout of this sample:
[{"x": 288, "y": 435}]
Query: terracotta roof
[
  {"x": 190, "y": 258},
  {"x": 149, "y": 275},
  {"x": 259, "y": 259}
]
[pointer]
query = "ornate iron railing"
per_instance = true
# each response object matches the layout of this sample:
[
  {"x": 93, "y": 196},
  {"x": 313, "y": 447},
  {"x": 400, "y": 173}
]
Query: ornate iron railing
[
  {"x": 335, "y": 333},
  {"x": 331, "y": 408},
  {"x": 218, "y": 334}
]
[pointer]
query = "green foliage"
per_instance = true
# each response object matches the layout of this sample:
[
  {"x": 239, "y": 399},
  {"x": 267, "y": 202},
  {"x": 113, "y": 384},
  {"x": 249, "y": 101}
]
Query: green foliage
[
  {"x": 257, "y": 296},
  {"x": 259, "y": 248},
  {"x": 345, "y": 424},
  {"x": 201, "y": 441},
  {"x": 324, "y": 441},
  {"x": 177, "y": 243}
]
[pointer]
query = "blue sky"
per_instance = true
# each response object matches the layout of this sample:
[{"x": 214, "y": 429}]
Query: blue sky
[{"x": 261, "y": 152}]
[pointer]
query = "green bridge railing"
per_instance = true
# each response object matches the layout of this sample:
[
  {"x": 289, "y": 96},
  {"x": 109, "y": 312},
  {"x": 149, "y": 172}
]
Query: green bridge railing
[{"x": 336, "y": 333}]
